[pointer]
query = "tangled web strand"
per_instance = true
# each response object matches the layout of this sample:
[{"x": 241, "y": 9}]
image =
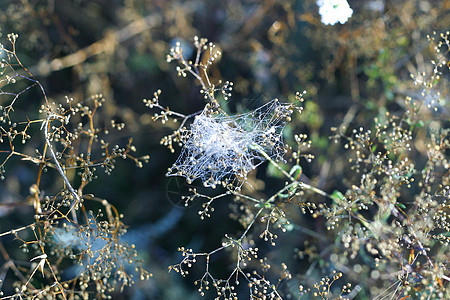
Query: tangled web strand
[{"x": 221, "y": 149}]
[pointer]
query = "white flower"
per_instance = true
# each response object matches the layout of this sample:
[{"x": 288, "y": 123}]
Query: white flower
[{"x": 333, "y": 11}]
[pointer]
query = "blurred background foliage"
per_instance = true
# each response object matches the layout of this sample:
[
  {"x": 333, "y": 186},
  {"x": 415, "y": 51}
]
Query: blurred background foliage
[{"x": 271, "y": 48}]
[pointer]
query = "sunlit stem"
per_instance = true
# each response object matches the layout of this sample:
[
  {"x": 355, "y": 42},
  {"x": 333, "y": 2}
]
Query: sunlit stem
[{"x": 300, "y": 183}]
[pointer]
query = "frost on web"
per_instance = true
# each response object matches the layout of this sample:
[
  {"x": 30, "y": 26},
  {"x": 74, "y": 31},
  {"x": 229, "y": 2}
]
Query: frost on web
[{"x": 221, "y": 149}]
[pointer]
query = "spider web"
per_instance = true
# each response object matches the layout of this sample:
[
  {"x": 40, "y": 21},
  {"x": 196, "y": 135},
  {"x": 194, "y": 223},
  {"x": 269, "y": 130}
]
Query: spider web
[{"x": 221, "y": 149}]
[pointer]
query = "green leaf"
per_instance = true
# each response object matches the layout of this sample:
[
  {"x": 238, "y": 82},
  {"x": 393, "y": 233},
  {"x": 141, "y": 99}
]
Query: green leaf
[
  {"x": 401, "y": 205},
  {"x": 374, "y": 147},
  {"x": 337, "y": 196},
  {"x": 296, "y": 171},
  {"x": 273, "y": 171}
]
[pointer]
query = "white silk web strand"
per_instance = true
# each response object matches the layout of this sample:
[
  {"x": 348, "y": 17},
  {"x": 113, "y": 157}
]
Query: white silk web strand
[{"x": 221, "y": 149}]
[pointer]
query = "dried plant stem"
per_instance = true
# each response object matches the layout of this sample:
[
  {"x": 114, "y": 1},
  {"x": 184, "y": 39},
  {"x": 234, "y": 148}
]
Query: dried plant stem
[{"x": 72, "y": 191}]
